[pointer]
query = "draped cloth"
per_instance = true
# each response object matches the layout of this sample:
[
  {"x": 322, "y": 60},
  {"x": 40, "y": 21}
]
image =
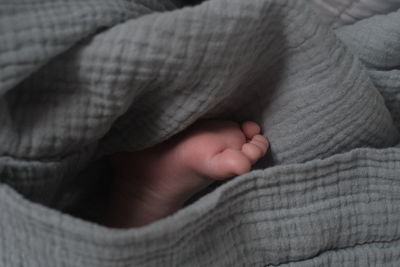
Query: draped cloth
[{"x": 81, "y": 79}]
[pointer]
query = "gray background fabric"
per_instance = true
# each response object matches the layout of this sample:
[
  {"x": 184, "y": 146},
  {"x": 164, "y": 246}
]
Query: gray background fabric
[
  {"x": 82, "y": 79},
  {"x": 344, "y": 12}
]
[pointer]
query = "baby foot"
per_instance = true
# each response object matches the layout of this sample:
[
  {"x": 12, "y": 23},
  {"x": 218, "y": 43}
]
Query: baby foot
[{"x": 155, "y": 182}]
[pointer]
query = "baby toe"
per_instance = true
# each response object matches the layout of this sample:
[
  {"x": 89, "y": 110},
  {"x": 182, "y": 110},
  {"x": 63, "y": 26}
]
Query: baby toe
[
  {"x": 260, "y": 138},
  {"x": 262, "y": 143},
  {"x": 262, "y": 146},
  {"x": 252, "y": 151}
]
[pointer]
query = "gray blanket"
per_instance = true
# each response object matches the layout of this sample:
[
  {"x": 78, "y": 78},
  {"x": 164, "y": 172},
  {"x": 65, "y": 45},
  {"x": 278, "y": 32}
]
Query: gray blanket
[{"x": 81, "y": 79}]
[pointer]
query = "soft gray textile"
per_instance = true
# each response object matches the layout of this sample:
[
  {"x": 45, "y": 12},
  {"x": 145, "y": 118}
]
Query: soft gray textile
[
  {"x": 343, "y": 12},
  {"x": 82, "y": 79}
]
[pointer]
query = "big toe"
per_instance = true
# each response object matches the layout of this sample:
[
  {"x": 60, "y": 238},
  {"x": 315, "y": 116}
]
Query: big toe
[{"x": 250, "y": 129}]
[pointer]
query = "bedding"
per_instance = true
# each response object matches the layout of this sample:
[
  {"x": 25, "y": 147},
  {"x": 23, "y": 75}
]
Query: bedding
[{"x": 80, "y": 80}]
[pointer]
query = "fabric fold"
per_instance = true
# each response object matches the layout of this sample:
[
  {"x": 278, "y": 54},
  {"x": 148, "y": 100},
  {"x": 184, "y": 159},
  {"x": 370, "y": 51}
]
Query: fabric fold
[{"x": 83, "y": 79}]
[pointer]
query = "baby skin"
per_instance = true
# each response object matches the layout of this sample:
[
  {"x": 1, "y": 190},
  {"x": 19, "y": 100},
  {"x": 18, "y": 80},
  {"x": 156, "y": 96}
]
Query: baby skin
[{"x": 153, "y": 183}]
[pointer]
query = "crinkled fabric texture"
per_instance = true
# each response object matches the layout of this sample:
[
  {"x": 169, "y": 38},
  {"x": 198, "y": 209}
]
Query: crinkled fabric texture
[
  {"x": 344, "y": 12},
  {"x": 82, "y": 79}
]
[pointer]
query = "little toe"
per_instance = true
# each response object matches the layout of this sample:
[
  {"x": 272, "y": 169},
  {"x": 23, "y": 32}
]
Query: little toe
[
  {"x": 250, "y": 129},
  {"x": 261, "y": 142},
  {"x": 260, "y": 138},
  {"x": 252, "y": 151},
  {"x": 263, "y": 146}
]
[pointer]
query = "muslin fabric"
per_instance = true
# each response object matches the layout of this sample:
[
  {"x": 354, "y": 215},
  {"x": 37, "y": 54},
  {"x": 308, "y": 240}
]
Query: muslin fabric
[{"x": 80, "y": 80}]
